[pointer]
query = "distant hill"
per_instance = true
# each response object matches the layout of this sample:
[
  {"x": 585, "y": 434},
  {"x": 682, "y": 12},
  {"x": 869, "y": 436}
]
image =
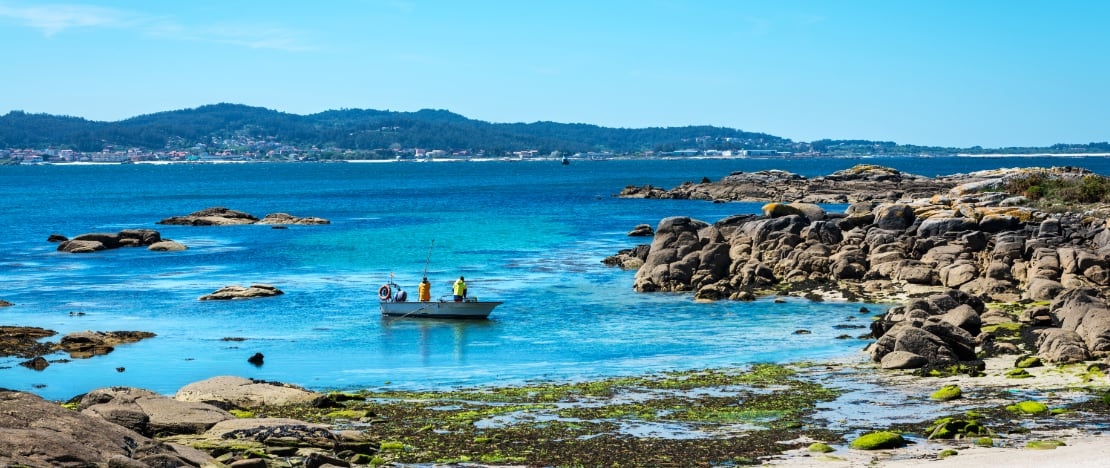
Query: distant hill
[
  {"x": 363, "y": 130},
  {"x": 359, "y": 129}
]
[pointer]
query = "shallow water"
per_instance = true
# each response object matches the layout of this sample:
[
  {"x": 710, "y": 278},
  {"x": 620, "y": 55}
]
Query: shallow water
[{"x": 531, "y": 234}]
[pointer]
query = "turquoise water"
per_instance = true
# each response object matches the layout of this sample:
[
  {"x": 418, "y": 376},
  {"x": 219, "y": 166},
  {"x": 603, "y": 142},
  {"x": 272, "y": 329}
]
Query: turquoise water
[{"x": 531, "y": 234}]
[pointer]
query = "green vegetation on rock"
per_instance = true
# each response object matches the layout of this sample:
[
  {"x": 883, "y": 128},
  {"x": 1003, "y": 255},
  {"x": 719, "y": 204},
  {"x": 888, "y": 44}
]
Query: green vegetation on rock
[
  {"x": 1028, "y": 407},
  {"x": 947, "y": 393},
  {"x": 819, "y": 447},
  {"x": 1044, "y": 444},
  {"x": 878, "y": 440}
]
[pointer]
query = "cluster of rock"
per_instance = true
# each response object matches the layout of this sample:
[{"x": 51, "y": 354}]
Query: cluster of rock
[
  {"x": 955, "y": 250},
  {"x": 25, "y": 342},
  {"x": 95, "y": 242},
  {"x": 864, "y": 182},
  {"x": 131, "y": 427},
  {"x": 220, "y": 216}
]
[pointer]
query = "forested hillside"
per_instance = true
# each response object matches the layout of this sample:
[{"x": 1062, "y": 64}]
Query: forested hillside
[
  {"x": 365, "y": 130},
  {"x": 361, "y": 130}
]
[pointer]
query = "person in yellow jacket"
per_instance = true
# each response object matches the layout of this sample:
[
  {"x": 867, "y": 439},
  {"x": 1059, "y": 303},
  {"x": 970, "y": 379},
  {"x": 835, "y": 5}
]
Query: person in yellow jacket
[
  {"x": 460, "y": 289},
  {"x": 424, "y": 291}
]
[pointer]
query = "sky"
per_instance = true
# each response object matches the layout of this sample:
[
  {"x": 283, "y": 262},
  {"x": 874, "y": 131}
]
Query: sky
[{"x": 937, "y": 73}]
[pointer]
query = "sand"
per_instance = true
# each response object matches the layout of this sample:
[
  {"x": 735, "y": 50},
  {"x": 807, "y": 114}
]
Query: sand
[{"x": 1086, "y": 443}]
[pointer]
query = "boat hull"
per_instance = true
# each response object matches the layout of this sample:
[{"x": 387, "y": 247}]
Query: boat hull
[{"x": 439, "y": 309}]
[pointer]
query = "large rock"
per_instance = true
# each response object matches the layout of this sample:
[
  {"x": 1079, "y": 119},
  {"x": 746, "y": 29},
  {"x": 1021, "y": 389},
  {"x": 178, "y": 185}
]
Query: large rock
[
  {"x": 1061, "y": 346},
  {"x": 89, "y": 343},
  {"x": 239, "y": 392},
  {"x": 221, "y": 216},
  {"x": 216, "y": 216},
  {"x": 1088, "y": 315},
  {"x": 895, "y": 216},
  {"x": 673, "y": 257},
  {"x": 36, "y": 432},
  {"x": 238, "y": 292},
  {"x": 93, "y": 242},
  {"x": 286, "y": 218},
  {"x": 151, "y": 414}
]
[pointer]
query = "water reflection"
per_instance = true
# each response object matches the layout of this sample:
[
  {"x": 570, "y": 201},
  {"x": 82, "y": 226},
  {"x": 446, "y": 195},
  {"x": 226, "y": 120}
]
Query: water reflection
[{"x": 433, "y": 338}]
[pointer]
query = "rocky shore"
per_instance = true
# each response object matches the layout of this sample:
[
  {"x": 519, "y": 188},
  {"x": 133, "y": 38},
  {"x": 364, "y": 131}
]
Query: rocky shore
[{"x": 977, "y": 271}]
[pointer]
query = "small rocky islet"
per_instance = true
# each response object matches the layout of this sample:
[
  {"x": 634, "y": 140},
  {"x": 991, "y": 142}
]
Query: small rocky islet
[{"x": 974, "y": 272}]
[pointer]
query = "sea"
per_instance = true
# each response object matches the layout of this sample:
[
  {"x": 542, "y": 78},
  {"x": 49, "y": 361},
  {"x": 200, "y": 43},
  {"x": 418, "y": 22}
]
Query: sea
[{"x": 529, "y": 233}]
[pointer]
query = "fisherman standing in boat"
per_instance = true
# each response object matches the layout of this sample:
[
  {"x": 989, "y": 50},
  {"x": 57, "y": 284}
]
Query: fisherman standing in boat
[
  {"x": 460, "y": 290},
  {"x": 424, "y": 291}
]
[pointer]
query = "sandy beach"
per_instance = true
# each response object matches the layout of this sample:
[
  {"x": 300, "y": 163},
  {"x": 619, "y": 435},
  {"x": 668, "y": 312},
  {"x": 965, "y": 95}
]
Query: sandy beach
[{"x": 1086, "y": 444}]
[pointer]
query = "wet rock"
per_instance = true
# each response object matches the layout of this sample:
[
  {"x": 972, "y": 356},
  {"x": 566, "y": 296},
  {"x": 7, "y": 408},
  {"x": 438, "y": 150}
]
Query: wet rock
[
  {"x": 642, "y": 230},
  {"x": 24, "y": 342},
  {"x": 238, "y": 292},
  {"x": 216, "y": 216},
  {"x": 94, "y": 242},
  {"x": 167, "y": 246},
  {"x": 94, "y": 343},
  {"x": 285, "y": 219}
]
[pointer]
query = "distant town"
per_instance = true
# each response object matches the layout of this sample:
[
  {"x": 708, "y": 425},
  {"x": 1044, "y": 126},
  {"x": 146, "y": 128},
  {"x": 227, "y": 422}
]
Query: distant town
[
  {"x": 288, "y": 153},
  {"x": 238, "y": 133}
]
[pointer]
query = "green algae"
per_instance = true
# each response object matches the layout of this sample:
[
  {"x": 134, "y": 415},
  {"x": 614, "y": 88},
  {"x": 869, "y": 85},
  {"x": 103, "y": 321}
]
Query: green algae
[
  {"x": 1044, "y": 444},
  {"x": 585, "y": 423},
  {"x": 878, "y": 440},
  {"x": 947, "y": 393},
  {"x": 1028, "y": 407},
  {"x": 819, "y": 447}
]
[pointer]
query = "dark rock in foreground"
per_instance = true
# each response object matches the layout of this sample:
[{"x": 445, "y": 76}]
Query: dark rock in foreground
[{"x": 37, "y": 432}]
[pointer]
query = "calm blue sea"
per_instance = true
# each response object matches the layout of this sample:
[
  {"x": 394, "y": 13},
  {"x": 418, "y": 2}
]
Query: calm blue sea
[{"x": 531, "y": 234}]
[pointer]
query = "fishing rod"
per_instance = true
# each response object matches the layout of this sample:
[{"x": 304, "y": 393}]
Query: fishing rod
[{"x": 429, "y": 260}]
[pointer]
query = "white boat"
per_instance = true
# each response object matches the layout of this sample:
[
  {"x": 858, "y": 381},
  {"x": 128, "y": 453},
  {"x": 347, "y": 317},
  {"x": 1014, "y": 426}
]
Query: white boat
[
  {"x": 467, "y": 309},
  {"x": 394, "y": 302}
]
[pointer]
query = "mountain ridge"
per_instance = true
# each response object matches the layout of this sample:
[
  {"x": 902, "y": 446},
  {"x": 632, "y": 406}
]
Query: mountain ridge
[{"x": 370, "y": 130}]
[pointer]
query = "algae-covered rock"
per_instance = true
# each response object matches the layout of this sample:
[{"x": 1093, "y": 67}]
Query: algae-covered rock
[
  {"x": 1027, "y": 362},
  {"x": 1018, "y": 373},
  {"x": 947, "y": 453},
  {"x": 951, "y": 428},
  {"x": 1028, "y": 407},
  {"x": 878, "y": 440},
  {"x": 819, "y": 447},
  {"x": 984, "y": 442},
  {"x": 946, "y": 393},
  {"x": 1044, "y": 444}
]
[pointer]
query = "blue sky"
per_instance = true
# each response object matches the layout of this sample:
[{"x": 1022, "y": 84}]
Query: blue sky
[{"x": 949, "y": 73}]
